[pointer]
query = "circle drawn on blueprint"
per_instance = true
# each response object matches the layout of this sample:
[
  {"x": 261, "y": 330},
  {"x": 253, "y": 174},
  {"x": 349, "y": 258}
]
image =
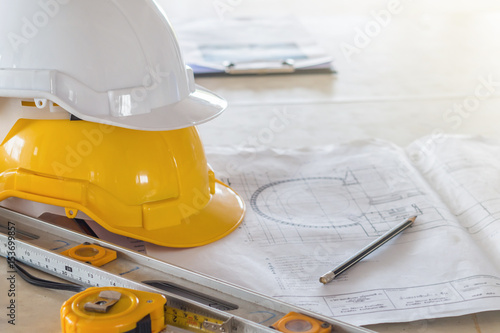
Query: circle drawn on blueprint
[{"x": 303, "y": 202}]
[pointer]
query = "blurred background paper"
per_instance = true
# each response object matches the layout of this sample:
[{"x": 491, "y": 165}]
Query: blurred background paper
[{"x": 250, "y": 46}]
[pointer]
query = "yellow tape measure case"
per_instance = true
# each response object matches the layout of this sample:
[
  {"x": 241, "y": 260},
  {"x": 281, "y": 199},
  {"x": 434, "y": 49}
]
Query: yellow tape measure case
[{"x": 131, "y": 312}]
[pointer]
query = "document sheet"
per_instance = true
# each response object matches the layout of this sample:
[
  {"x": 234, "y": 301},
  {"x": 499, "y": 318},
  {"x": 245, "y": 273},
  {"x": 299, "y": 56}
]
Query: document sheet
[{"x": 309, "y": 210}]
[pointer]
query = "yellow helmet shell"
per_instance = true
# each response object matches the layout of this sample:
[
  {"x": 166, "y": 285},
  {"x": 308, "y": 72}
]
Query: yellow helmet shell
[{"x": 154, "y": 186}]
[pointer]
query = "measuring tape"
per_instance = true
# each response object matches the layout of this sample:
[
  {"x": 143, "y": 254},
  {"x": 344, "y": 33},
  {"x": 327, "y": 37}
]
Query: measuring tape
[
  {"x": 191, "y": 321},
  {"x": 124, "y": 310},
  {"x": 193, "y": 301},
  {"x": 113, "y": 310},
  {"x": 117, "y": 310}
]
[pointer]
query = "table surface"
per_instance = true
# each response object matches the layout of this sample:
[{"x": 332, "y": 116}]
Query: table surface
[{"x": 405, "y": 84}]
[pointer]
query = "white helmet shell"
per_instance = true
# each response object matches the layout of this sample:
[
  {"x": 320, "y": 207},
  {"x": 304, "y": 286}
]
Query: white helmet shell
[{"x": 105, "y": 61}]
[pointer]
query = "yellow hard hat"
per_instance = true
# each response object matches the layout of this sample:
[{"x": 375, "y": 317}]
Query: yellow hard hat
[{"x": 151, "y": 185}]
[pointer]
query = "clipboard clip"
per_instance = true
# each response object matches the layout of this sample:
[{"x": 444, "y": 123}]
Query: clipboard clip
[{"x": 260, "y": 67}]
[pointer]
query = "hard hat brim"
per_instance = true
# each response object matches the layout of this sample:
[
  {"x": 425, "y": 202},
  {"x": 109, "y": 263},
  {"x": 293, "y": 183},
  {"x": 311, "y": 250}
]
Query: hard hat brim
[
  {"x": 222, "y": 215},
  {"x": 200, "y": 106}
]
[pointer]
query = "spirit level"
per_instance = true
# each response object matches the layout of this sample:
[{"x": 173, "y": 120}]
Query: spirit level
[{"x": 231, "y": 309}]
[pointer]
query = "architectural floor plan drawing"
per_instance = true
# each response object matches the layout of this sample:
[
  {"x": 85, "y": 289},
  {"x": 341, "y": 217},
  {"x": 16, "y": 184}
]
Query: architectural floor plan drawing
[
  {"x": 307, "y": 211},
  {"x": 346, "y": 203}
]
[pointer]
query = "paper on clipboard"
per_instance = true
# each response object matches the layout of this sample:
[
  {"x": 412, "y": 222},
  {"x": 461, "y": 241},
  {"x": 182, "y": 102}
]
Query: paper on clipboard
[{"x": 250, "y": 46}]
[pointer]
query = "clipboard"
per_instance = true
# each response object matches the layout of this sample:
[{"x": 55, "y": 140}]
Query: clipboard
[{"x": 251, "y": 46}]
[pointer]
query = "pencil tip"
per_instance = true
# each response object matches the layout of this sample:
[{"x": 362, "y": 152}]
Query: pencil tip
[{"x": 326, "y": 278}]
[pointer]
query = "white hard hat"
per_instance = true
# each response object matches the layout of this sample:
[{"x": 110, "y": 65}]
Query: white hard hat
[{"x": 104, "y": 61}]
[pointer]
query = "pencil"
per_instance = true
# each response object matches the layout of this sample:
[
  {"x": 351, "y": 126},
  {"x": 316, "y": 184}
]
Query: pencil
[{"x": 327, "y": 277}]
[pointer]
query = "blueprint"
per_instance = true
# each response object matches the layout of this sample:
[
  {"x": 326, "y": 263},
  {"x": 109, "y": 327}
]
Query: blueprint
[{"x": 308, "y": 210}]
